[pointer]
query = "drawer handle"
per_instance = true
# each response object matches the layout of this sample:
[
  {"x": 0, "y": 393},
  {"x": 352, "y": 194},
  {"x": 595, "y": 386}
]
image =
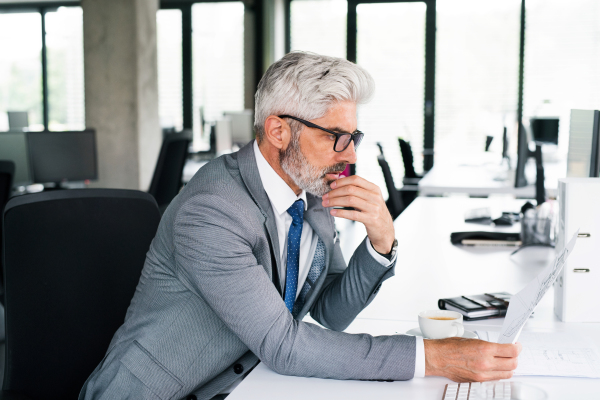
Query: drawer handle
[
  {"x": 581, "y": 270},
  {"x": 584, "y": 235}
]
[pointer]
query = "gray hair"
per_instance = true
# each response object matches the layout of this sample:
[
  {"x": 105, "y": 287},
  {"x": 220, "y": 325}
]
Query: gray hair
[{"x": 306, "y": 85}]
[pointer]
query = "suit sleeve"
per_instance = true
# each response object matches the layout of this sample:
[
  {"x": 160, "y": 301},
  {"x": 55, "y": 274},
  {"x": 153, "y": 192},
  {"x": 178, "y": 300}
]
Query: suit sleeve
[
  {"x": 214, "y": 252},
  {"x": 348, "y": 290}
]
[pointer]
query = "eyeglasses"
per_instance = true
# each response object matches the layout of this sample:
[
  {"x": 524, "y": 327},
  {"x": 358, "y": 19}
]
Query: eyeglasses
[{"x": 342, "y": 140}]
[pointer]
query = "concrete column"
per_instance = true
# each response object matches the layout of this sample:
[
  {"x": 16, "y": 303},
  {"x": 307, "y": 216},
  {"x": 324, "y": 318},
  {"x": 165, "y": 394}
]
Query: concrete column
[{"x": 121, "y": 89}]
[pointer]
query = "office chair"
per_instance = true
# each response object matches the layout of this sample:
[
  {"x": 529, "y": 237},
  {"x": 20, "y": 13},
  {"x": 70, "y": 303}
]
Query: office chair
[
  {"x": 410, "y": 176},
  {"x": 72, "y": 262},
  {"x": 166, "y": 181},
  {"x": 7, "y": 172},
  {"x": 394, "y": 202}
]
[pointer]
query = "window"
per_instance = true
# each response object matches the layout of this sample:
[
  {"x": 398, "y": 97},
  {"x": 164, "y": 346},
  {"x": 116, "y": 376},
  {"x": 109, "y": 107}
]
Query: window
[
  {"x": 562, "y": 60},
  {"x": 397, "y": 65},
  {"x": 218, "y": 60},
  {"x": 319, "y": 26},
  {"x": 54, "y": 101},
  {"x": 477, "y": 73},
  {"x": 21, "y": 67},
  {"x": 170, "y": 83},
  {"x": 64, "y": 42},
  {"x": 200, "y": 64}
]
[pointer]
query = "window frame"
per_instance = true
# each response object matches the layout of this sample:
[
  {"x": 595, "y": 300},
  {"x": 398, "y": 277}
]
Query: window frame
[
  {"x": 185, "y": 6},
  {"x": 42, "y": 9},
  {"x": 430, "y": 54}
]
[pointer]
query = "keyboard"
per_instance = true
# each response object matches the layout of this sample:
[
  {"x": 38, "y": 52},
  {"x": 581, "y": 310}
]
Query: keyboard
[{"x": 477, "y": 391}]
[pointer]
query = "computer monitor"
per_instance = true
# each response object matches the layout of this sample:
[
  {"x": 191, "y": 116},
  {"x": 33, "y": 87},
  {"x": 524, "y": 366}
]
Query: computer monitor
[
  {"x": 242, "y": 126},
  {"x": 13, "y": 147},
  {"x": 523, "y": 154},
  {"x": 63, "y": 156},
  {"x": 18, "y": 120},
  {"x": 584, "y": 144},
  {"x": 544, "y": 130}
]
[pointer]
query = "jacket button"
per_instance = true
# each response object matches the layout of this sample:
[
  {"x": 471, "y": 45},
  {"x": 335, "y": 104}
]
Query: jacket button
[
  {"x": 191, "y": 397},
  {"x": 238, "y": 368}
]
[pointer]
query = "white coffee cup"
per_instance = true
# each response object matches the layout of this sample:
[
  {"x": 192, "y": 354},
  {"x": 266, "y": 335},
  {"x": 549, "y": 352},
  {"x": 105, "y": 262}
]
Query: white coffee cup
[{"x": 441, "y": 324}]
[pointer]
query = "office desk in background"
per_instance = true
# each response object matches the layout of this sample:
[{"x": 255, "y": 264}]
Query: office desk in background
[
  {"x": 487, "y": 177},
  {"x": 429, "y": 268}
]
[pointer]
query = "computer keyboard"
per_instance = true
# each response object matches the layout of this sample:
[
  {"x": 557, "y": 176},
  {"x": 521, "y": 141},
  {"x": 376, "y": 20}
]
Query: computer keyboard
[{"x": 477, "y": 390}]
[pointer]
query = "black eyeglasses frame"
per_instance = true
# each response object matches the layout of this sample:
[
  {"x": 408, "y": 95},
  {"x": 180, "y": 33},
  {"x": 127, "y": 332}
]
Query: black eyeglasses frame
[{"x": 356, "y": 136}]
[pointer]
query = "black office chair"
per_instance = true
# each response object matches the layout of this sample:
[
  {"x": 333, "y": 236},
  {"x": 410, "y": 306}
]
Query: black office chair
[
  {"x": 394, "y": 202},
  {"x": 166, "y": 181},
  {"x": 72, "y": 262},
  {"x": 410, "y": 176},
  {"x": 7, "y": 172}
]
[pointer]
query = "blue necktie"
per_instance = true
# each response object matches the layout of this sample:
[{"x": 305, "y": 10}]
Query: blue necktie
[{"x": 293, "y": 252}]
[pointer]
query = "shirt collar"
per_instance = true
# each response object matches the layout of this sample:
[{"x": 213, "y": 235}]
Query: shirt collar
[{"x": 280, "y": 194}]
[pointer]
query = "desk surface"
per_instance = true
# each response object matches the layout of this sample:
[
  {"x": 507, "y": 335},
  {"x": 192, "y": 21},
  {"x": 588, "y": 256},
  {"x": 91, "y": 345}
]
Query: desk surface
[
  {"x": 483, "y": 178},
  {"x": 430, "y": 267}
]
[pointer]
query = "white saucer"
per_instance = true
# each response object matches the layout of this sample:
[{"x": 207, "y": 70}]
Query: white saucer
[{"x": 466, "y": 335}]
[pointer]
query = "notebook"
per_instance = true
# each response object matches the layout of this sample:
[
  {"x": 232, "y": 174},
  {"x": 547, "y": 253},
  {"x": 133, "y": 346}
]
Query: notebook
[{"x": 479, "y": 306}]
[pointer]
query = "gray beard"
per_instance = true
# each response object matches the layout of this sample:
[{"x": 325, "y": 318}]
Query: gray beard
[{"x": 308, "y": 177}]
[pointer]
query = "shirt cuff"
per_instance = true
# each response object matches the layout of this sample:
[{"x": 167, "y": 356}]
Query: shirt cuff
[
  {"x": 378, "y": 257},
  {"x": 419, "y": 358}
]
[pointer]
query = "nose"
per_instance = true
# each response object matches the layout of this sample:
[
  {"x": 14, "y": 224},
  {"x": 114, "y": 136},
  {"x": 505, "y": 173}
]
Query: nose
[{"x": 349, "y": 155}]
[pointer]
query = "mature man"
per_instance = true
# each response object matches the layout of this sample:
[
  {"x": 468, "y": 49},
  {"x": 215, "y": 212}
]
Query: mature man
[{"x": 248, "y": 248}]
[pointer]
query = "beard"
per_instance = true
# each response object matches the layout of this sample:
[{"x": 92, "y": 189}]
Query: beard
[{"x": 308, "y": 177}]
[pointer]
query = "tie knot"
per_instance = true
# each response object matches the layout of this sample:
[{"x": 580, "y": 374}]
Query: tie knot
[{"x": 296, "y": 210}]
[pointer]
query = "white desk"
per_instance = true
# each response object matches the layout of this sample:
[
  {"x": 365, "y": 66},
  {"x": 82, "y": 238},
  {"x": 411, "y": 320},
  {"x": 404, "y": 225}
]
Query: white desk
[
  {"x": 430, "y": 267},
  {"x": 485, "y": 178}
]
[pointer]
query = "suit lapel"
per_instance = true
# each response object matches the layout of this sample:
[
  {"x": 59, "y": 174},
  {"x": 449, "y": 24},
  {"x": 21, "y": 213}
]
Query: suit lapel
[{"x": 251, "y": 177}]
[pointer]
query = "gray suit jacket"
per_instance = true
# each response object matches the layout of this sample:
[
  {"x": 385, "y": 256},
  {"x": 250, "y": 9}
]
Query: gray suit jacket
[{"x": 208, "y": 305}]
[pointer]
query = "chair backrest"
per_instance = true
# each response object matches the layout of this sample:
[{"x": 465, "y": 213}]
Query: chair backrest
[
  {"x": 72, "y": 261},
  {"x": 394, "y": 202},
  {"x": 407, "y": 159},
  {"x": 7, "y": 172},
  {"x": 166, "y": 181}
]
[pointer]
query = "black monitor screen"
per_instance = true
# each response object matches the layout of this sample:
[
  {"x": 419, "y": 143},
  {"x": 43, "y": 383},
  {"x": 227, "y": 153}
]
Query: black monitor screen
[
  {"x": 545, "y": 130},
  {"x": 63, "y": 156},
  {"x": 13, "y": 147}
]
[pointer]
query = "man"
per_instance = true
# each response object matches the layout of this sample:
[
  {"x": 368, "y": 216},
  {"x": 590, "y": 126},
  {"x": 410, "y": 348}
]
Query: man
[{"x": 248, "y": 248}]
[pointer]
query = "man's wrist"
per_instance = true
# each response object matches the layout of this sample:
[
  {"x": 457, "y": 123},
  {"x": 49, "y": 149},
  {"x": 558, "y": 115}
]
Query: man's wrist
[{"x": 391, "y": 252}]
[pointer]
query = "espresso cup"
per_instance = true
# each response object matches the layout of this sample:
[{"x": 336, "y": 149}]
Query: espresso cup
[{"x": 441, "y": 324}]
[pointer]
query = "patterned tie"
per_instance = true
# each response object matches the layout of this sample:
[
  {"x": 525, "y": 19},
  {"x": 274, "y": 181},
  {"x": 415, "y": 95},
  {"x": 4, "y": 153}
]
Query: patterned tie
[{"x": 293, "y": 252}]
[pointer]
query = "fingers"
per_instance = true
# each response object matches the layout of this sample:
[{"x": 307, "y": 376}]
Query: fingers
[
  {"x": 356, "y": 181},
  {"x": 507, "y": 350},
  {"x": 504, "y": 364},
  {"x": 349, "y": 214},
  {"x": 351, "y": 190},
  {"x": 348, "y": 201}
]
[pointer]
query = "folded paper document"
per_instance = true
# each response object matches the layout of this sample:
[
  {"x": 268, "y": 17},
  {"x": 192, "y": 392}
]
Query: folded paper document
[{"x": 523, "y": 303}]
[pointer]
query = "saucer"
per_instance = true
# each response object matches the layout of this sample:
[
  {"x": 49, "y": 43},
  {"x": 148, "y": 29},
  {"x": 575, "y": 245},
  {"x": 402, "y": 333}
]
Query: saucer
[{"x": 466, "y": 335}]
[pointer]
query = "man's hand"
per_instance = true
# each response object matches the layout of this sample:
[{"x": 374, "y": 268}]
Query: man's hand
[
  {"x": 369, "y": 209},
  {"x": 470, "y": 360}
]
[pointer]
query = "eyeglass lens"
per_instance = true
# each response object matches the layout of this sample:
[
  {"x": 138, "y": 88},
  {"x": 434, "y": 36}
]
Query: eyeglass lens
[{"x": 344, "y": 141}]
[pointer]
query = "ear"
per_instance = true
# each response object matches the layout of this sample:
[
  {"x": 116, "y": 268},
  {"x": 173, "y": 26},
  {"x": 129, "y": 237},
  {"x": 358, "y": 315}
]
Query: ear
[{"x": 277, "y": 132}]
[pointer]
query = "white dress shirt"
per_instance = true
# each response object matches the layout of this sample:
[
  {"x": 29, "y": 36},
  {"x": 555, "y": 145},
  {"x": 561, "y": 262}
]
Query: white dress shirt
[{"x": 282, "y": 197}]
